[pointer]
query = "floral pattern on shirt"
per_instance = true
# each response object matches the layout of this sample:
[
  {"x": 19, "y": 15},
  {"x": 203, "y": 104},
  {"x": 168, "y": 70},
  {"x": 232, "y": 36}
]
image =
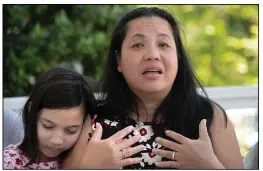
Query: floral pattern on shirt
[
  {"x": 145, "y": 131},
  {"x": 110, "y": 123},
  {"x": 14, "y": 158},
  {"x": 148, "y": 140}
]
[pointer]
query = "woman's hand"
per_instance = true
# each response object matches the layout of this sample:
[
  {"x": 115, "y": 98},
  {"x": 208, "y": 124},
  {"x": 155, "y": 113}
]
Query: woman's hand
[
  {"x": 111, "y": 153},
  {"x": 187, "y": 153}
]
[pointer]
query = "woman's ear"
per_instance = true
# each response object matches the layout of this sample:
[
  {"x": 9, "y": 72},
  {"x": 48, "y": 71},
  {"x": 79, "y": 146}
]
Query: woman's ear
[
  {"x": 118, "y": 58},
  {"x": 119, "y": 68}
]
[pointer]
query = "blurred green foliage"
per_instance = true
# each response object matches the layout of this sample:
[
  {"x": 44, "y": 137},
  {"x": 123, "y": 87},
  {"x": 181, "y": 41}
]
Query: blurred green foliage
[
  {"x": 222, "y": 41},
  {"x": 38, "y": 37}
]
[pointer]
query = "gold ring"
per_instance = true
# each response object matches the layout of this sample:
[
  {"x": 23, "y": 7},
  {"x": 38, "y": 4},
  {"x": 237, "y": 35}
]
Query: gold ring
[
  {"x": 173, "y": 155},
  {"x": 125, "y": 155}
]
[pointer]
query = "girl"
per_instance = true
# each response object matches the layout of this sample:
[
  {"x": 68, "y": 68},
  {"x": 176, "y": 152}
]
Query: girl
[{"x": 53, "y": 118}]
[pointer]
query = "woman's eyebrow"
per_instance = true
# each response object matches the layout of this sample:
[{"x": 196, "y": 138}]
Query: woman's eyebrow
[
  {"x": 137, "y": 35},
  {"x": 163, "y": 35}
]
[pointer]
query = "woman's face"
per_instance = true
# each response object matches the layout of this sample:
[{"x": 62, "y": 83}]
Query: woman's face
[
  {"x": 148, "y": 58},
  {"x": 58, "y": 130}
]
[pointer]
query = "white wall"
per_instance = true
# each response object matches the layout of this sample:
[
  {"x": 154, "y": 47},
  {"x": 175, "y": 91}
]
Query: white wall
[{"x": 228, "y": 97}]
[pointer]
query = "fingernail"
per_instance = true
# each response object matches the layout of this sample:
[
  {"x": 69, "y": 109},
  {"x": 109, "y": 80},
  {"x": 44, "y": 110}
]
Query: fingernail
[
  {"x": 157, "y": 164},
  {"x": 157, "y": 139},
  {"x": 167, "y": 131}
]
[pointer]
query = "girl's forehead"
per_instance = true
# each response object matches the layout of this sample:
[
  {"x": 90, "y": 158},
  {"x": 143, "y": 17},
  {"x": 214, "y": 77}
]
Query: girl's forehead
[{"x": 63, "y": 116}]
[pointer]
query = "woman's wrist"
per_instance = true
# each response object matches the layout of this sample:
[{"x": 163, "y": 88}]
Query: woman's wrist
[{"x": 216, "y": 164}]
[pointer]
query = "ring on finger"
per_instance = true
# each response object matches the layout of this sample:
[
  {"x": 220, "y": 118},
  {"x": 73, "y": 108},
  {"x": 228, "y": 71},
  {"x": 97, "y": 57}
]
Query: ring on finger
[
  {"x": 125, "y": 153},
  {"x": 173, "y": 155},
  {"x": 120, "y": 141}
]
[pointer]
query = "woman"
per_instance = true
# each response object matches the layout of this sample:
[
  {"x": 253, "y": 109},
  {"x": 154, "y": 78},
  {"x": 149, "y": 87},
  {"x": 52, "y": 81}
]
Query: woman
[{"x": 149, "y": 83}]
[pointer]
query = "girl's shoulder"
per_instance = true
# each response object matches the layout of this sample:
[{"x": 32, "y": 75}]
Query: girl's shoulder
[{"x": 14, "y": 158}]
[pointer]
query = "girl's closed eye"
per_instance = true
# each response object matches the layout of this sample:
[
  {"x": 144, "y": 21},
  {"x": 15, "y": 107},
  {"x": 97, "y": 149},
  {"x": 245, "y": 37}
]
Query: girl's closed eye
[
  {"x": 71, "y": 131},
  {"x": 47, "y": 126}
]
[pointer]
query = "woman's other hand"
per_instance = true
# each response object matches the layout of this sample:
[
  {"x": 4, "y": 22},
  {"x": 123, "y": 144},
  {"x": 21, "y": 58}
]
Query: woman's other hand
[{"x": 188, "y": 153}]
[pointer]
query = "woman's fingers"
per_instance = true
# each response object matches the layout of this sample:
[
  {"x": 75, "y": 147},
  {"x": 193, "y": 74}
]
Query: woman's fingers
[
  {"x": 122, "y": 133},
  {"x": 165, "y": 153},
  {"x": 136, "y": 149},
  {"x": 178, "y": 137},
  {"x": 128, "y": 142},
  {"x": 97, "y": 134},
  {"x": 168, "y": 144},
  {"x": 127, "y": 152},
  {"x": 167, "y": 164},
  {"x": 130, "y": 161}
]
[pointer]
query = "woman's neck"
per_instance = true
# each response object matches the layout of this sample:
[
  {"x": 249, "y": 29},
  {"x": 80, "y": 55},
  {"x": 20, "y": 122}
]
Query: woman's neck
[
  {"x": 146, "y": 109},
  {"x": 145, "y": 112},
  {"x": 148, "y": 102}
]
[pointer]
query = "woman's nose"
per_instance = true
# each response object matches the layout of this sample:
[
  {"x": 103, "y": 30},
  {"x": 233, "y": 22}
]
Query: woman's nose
[{"x": 152, "y": 53}]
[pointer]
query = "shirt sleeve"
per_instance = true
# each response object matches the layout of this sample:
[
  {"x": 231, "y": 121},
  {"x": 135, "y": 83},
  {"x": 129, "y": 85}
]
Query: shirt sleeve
[
  {"x": 12, "y": 158},
  {"x": 9, "y": 162}
]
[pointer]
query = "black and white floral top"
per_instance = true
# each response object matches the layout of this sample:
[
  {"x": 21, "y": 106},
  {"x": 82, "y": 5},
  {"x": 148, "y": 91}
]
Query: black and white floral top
[{"x": 144, "y": 129}]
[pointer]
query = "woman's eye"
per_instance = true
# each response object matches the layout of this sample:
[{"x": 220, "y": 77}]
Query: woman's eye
[
  {"x": 138, "y": 45},
  {"x": 164, "y": 45}
]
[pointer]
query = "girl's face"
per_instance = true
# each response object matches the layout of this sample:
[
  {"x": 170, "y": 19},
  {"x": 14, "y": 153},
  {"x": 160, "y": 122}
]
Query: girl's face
[
  {"x": 148, "y": 58},
  {"x": 58, "y": 130}
]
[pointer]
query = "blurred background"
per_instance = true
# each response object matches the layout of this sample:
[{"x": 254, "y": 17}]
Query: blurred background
[{"x": 221, "y": 40}]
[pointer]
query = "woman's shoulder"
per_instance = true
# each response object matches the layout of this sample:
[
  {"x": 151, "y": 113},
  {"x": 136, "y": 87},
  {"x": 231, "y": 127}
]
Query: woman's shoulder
[{"x": 214, "y": 112}]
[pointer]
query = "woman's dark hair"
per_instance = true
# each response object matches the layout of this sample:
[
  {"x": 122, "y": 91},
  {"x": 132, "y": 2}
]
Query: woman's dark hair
[
  {"x": 182, "y": 109},
  {"x": 58, "y": 88}
]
